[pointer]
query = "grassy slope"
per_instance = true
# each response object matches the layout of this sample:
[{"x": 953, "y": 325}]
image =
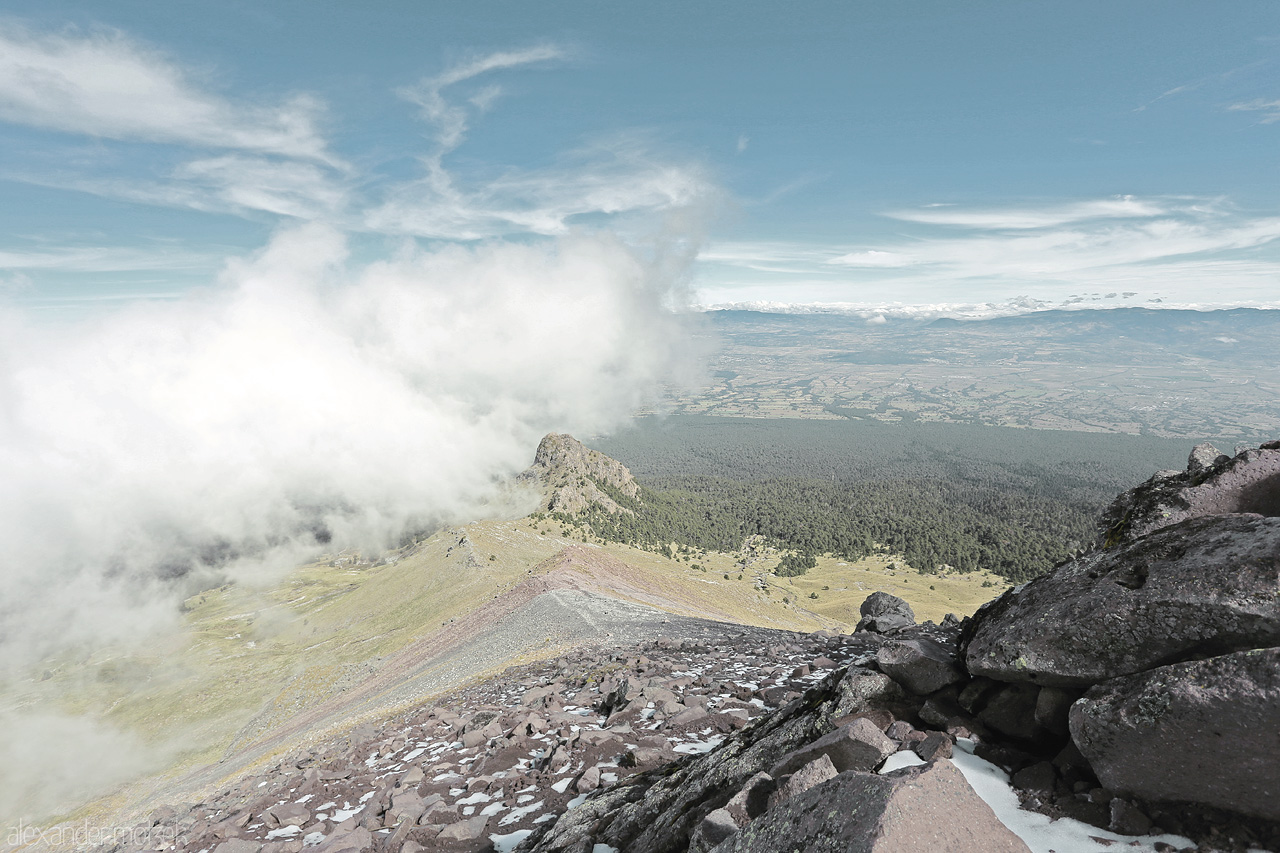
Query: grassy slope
[{"x": 246, "y": 661}]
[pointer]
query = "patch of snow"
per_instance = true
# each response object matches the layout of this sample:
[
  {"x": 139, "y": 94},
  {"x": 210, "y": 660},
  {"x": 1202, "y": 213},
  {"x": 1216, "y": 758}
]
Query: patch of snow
[
  {"x": 576, "y": 801},
  {"x": 284, "y": 832},
  {"x": 468, "y": 811},
  {"x": 366, "y": 797},
  {"x": 604, "y": 848},
  {"x": 1037, "y": 831},
  {"x": 312, "y": 839},
  {"x": 477, "y": 797},
  {"x": 304, "y": 799},
  {"x": 493, "y": 809},
  {"x": 327, "y": 805},
  {"x": 698, "y": 747},
  {"x": 545, "y": 818},
  {"x": 517, "y": 814},
  {"x": 413, "y": 754},
  {"x": 561, "y": 786},
  {"x": 899, "y": 760},
  {"x": 342, "y": 814},
  {"x": 507, "y": 843}
]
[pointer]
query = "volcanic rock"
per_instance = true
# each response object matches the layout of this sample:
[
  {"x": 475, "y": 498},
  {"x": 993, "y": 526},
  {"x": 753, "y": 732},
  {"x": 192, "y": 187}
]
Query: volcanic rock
[
  {"x": 919, "y": 808},
  {"x": 859, "y": 745},
  {"x": 1204, "y": 586},
  {"x": 1212, "y": 484},
  {"x": 922, "y": 666},
  {"x": 1203, "y": 731},
  {"x": 882, "y": 613}
]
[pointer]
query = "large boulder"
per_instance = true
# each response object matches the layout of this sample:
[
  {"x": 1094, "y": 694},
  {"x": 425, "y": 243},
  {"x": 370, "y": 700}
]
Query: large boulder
[
  {"x": 920, "y": 808},
  {"x": 882, "y": 613},
  {"x": 1204, "y": 731},
  {"x": 922, "y": 666},
  {"x": 1204, "y": 586},
  {"x": 1212, "y": 484}
]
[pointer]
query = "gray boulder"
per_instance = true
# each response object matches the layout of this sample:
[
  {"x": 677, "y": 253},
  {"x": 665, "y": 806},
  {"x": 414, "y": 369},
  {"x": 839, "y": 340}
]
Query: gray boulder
[
  {"x": 1202, "y": 731},
  {"x": 1203, "y": 586},
  {"x": 858, "y": 745},
  {"x": 882, "y": 613},
  {"x": 920, "y": 808},
  {"x": 922, "y": 666},
  {"x": 1212, "y": 484}
]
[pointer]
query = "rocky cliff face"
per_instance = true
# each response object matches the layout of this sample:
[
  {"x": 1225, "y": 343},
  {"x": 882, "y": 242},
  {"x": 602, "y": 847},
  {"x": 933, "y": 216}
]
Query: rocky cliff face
[{"x": 572, "y": 476}]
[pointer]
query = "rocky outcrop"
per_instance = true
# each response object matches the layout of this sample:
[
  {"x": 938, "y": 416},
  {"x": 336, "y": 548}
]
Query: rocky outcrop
[
  {"x": 1212, "y": 484},
  {"x": 573, "y": 477},
  {"x": 1171, "y": 636},
  {"x": 1201, "y": 587},
  {"x": 1205, "y": 731}
]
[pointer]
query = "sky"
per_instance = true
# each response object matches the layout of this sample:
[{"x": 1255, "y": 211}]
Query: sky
[{"x": 851, "y": 154}]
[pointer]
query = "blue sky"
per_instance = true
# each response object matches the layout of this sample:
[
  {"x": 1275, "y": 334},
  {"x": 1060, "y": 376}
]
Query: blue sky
[{"x": 861, "y": 154}]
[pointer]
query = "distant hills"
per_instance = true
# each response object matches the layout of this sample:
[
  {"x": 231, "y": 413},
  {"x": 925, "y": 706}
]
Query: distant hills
[{"x": 1164, "y": 372}]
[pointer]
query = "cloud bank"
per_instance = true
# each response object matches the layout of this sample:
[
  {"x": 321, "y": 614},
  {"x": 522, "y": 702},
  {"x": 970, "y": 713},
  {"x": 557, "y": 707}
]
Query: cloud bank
[{"x": 305, "y": 402}]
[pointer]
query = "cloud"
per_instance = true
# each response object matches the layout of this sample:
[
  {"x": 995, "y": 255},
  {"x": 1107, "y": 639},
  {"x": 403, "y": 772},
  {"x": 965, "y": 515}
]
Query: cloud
[
  {"x": 1177, "y": 248},
  {"x": 103, "y": 259},
  {"x": 607, "y": 179},
  {"x": 1120, "y": 207},
  {"x": 872, "y": 258},
  {"x": 304, "y": 394},
  {"x": 451, "y": 120},
  {"x": 1269, "y": 108},
  {"x": 104, "y": 84}
]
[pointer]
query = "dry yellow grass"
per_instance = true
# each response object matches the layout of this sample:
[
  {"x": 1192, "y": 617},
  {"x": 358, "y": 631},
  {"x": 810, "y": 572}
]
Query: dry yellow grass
[{"x": 245, "y": 661}]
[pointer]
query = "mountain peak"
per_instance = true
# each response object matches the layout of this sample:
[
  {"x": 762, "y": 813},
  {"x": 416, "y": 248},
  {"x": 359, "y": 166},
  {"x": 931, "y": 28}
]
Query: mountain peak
[{"x": 573, "y": 476}]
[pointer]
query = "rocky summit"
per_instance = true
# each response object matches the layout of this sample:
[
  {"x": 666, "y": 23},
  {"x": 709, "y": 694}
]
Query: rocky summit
[{"x": 1135, "y": 690}]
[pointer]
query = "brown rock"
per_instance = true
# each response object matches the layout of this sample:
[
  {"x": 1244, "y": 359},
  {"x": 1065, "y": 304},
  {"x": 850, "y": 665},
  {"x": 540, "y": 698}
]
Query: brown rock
[
  {"x": 465, "y": 830},
  {"x": 928, "y": 808},
  {"x": 859, "y": 745},
  {"x": 934, "y": 745},
  {"x": 814, "y": 773}
]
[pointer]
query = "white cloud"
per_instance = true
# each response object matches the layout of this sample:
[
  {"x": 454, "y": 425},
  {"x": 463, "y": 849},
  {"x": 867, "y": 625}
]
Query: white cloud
[
  {"x": 602, "y": 180},
  {"x": 1120, "y": 207},
  {"x": 451, "y": 120},
  {"x": 106, "y": 85},
  {"x": 1269, "y": 108},
  {"x": 305, "y": 392},
  {"x": 104, "y": 259},
  {"x": 872, "y": 258},
  {"x": 1176, "y": 248}
]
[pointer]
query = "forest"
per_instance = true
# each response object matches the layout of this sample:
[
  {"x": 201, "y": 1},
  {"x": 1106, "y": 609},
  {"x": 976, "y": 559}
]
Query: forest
[{"x": 1012, "y": 501}]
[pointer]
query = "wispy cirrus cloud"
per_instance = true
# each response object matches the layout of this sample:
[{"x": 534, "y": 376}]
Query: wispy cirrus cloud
[
  {"x": 105, "y": 84},
  {"x": 1154, "y": 246},
  {"x": 1270, "y": 109},
  {"x": 608, "y": 178},
  {"x": 1120, "y": 207},
  {"x": 219, "y": 155}
]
